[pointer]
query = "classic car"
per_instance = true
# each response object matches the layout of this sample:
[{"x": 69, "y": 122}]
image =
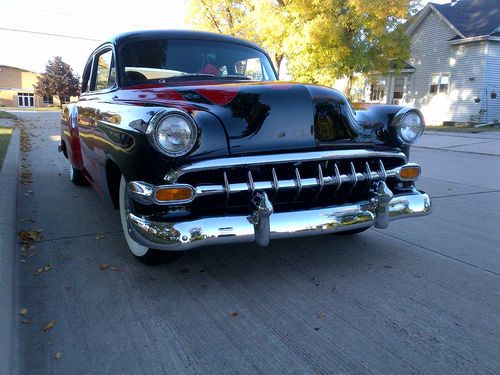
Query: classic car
[{"x": 192, "y": 137}]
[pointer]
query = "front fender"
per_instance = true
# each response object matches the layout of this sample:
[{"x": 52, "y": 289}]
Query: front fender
[{"x": 123, "y": 141}]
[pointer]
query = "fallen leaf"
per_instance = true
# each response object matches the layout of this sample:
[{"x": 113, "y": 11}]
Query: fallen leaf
[
  {"x": 321, "y": 316},
  {"x": 25, "y": 321},
  {"x": 22, "y": 260},
  {"x": 115, "y": 269},
  {"x": 26, "y": 219},
  {"x": 27, "y": 246},
  {"x": 99, "y": 237},
  {"x": 23, "y": 311},
  {"x": 43, "y": 269},
  {"x": 31, "y": 235},
  {"x": 49, "y": 326},
  {"x": 57, "y": 355},
  {"x": 104, "y": 266},
  {"x": 234, "y": 314}
]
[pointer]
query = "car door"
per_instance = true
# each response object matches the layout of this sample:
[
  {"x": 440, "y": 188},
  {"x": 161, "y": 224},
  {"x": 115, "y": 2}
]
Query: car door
[{"x": 101, "y": 84}]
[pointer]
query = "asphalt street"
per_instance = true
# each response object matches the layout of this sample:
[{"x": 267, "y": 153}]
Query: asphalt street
[{"x": 422, "y": 296}]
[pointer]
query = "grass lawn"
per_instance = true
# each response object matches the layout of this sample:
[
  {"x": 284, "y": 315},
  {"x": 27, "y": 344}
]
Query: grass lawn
[
  {"x": 4, "y": 114},
  {"x": 5, "y": 134},
  {"x": 31, "y": 109},
  {"x": 459, "y": 129}
]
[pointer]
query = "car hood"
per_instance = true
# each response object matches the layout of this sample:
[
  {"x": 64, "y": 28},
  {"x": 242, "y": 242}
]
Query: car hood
[{"x": 264, "y": 116}]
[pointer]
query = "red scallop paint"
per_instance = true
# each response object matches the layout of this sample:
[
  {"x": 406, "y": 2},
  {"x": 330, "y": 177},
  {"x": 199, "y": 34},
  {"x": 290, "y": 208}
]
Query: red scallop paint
[{"x": 218, "y": 95}]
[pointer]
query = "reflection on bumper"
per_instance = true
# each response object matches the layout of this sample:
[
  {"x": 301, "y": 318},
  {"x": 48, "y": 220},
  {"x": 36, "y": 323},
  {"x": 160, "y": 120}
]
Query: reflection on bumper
[{"x": 239, "y": 228}]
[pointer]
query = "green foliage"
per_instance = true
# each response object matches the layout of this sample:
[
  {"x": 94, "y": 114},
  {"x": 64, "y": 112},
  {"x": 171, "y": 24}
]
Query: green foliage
[
  {"x": 58, "y": 79},
  {"x": 321, "y": 40}
]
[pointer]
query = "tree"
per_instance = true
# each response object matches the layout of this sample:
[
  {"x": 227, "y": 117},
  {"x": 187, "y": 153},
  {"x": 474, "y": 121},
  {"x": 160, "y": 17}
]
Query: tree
[
  {"x": 57, "y": 80},
  {"x": 322, "y": 40}
]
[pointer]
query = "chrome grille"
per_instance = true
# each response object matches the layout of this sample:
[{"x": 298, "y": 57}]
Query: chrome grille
[{"x": 289, "y": 178}]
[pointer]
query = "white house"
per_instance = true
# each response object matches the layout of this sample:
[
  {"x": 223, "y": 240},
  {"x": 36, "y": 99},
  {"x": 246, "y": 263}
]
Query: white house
[{"x": 453, "y": 74}]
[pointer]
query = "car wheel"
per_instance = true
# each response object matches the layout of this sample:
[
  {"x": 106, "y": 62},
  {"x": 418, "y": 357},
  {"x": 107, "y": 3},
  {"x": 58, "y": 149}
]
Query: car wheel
[
  {"x": 76, "y": 176},
  {"x": 142, "y": 253},
  {"x": 351, "y": 232}
]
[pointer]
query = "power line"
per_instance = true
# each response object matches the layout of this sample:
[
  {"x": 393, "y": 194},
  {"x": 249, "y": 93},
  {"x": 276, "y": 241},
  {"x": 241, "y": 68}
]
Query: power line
[{"x": 50, "y": 34}]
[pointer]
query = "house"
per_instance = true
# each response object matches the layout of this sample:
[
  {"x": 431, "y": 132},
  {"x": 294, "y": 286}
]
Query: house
[
  {"x": 453, "y": 75},
  {"x": 16, "y": 89}
]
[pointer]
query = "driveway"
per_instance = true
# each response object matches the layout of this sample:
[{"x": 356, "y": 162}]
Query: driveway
[{"x": 422, "y": 296}]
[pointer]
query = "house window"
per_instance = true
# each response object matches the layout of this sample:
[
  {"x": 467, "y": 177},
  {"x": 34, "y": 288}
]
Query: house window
[
  {"x": 399, "y": 88},
  {"x": 26, "y": 99},
  {"x": 440, "y": 83},
  {"x": 377, "y": 91},
  {"x": 48, "y": 99},
  {"x": 64, "y": 99}
]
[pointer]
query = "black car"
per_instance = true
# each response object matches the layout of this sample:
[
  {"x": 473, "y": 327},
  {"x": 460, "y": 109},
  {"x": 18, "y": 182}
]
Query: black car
[{"x": 193, "y": 138}]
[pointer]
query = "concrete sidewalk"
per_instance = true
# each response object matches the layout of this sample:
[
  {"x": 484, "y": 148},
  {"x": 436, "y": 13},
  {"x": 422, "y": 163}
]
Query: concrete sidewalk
[
  {"x": 476, "y": 143},
  {"x": 8, "y": 203}
]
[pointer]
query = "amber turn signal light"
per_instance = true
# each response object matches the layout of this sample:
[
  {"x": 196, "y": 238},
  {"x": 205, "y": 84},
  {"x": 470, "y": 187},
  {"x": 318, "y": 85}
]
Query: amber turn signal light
[
  {"x": 409, "y": 173},
  {"x": 172, "y": 194}
]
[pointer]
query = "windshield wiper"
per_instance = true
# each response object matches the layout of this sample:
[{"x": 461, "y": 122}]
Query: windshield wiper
[
  {"x": 186, "y": 75},
  {"x": 203, "y": 75},
  {"x": 237, "y": 76}
]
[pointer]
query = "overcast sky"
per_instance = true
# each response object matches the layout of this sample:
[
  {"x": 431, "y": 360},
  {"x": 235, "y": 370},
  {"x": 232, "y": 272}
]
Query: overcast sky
[{"x": 78, "y": 20}]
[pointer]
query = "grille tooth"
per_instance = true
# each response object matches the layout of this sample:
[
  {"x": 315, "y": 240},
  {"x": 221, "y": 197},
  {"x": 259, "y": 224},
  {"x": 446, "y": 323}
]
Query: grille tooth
[
  {"x": 251, "y": 185},
  {"x": 369, "y": 177},
  {"x": 298, "y": 181},
  {"x": 382, "y": 173},
  {"x": 353, "y": 177},
  {"x": 276, "y": 184},
  {"x": 227, "y": 187},
  {"x": 338, "y": 179},
  {"x": 321, "y": 181}
]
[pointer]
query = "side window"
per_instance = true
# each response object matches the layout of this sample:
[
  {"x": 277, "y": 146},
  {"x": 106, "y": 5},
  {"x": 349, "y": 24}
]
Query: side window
[
  {"x": 106, "y": 72},
  {"x": 87, "y": 75}
]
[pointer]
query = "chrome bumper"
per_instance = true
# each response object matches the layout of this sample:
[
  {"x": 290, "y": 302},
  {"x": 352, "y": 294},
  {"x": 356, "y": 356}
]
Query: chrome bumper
[{"x": 262, "y": 224}]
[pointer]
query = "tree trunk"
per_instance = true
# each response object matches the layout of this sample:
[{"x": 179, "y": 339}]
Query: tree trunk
[
  {"x": 279, "y": 59},
  {"x": 348, "y": 89}
]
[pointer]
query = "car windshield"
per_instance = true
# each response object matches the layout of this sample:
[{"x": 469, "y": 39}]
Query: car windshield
[{"x": 166, "y": 61}]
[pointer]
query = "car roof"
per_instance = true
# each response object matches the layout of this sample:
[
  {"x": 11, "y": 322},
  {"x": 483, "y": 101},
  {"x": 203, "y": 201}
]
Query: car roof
[{"x": 178, "y": 34}]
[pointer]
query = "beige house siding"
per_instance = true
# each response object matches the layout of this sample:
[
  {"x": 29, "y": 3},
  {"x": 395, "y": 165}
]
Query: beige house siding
[
  {"x": 431, "y": 52},
  {"x": 472, "y": 67},
  {"x": 14, "y": 81},
  {"x": 491, "y": 83}
]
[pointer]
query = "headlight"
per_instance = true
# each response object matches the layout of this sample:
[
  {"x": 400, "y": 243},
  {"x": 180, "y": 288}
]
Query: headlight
[
  {"x": 409, "y": 125},
  {"x": 172, "y": 132}
]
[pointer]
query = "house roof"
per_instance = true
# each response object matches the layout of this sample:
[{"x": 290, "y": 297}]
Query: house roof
[
  {"x": 468, "y": 18},
  {"x": 472, "y": 17},
  {"x": 15, "y": 67}
]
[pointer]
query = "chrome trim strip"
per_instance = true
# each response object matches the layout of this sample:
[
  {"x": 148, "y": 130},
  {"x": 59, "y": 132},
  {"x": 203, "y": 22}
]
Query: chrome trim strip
[
  {"x": 242, "y": 161},
  {"x": 239, "y": 228}
]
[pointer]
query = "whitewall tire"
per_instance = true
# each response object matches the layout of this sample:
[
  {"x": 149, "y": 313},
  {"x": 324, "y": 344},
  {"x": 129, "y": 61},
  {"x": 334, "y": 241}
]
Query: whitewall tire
[{"x": 142, "y": 253}]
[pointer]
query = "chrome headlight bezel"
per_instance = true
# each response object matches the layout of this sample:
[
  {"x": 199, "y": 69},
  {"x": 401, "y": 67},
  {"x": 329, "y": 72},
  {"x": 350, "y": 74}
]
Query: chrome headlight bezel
[
  {"x": 152, "y": 131},
  {"x": 398, "y": 125}
]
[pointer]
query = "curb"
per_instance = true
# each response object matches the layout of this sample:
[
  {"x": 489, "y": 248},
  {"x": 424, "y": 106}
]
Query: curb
[{"x": 8, "y": 204}]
